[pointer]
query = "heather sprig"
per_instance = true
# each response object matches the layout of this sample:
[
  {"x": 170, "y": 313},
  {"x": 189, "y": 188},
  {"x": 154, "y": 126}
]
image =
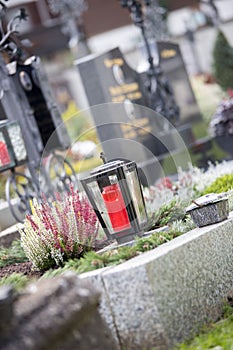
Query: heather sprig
[{"x": 56, "y": 232}]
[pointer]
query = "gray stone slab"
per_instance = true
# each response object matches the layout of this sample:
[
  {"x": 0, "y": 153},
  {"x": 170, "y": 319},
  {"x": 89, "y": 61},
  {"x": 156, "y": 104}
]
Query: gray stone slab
[
  {"x": 164, "y": 296},
  {"x": 95, "y": 277},
  {"x": 10, "y": 234},
  {"x": 134, "y": 305},
  {"x": 6, "y": 218}
]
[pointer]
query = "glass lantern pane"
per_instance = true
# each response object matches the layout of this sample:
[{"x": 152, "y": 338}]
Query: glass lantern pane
[
  {"x": 115, "y": 205},
  {"x": 110, "y": 203},
  {"x": 17, "y": 141},
  {"x": 5, "y": 158},
  {"x": 100, "y": 206},
  {"x": 135, "y": 190}
]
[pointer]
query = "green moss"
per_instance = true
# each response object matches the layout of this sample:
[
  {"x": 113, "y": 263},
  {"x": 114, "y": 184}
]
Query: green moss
[
  {"x": 207, "y": 97},
  {"x": 93, "y": 261},
  {"x": 215, "y": 336},
  {"x": 12, "y": 255},
  {"x": 17, "y": 280},
  {"x": 167, "y": 214},
  {"x": 221, "y": 184}
]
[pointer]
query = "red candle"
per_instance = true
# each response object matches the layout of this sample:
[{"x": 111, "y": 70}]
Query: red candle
[
  {"x": 115, "y": 205},
  {"x": 4, "y": 154}
]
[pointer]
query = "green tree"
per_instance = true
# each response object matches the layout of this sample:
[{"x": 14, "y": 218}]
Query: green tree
[{"x": 223, "y": 61}]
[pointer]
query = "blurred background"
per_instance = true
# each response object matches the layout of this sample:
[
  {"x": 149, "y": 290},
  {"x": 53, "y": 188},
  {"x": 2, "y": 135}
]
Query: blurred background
[
  {"x": 60, "y": 36},
  {"x": 66, "y": 31}
]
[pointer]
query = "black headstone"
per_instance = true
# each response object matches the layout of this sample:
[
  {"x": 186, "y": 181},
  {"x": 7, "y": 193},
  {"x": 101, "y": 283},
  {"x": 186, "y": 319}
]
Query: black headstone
[
  {"x": 32, "y": 83},
  {"x": 173, "y": 66},
  {"x": 126, "y": 128},
  {"x": 14, "y": 108}
]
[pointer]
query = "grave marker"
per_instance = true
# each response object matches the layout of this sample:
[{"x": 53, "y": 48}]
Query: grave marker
[
  {"x": 119, "y": 98},
  {"x": 126, "y": 127},
  {"x": 173, "y": 66}
]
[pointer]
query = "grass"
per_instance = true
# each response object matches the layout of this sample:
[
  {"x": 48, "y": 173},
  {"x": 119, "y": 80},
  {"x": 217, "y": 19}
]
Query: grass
[
  {"x": 218, "y": 336},
  {"x": 93, "y": 261},
  {"x": 90, "y": 261},
  {"x": 208, "y": 96},
  {"x": 12, "y": 255},
  {"x": 17, "y": 280},
  {"x": 221, "y": 184}
]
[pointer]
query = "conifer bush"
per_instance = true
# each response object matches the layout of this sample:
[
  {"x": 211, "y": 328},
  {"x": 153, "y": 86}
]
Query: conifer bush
[
  {"x": 56, "y": 232},
  {"x": 223, "y": 61}
]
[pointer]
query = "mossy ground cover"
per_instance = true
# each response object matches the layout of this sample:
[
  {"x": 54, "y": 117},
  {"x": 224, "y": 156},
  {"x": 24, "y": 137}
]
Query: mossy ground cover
[
  {"x": 218, "y": 336},
  {"x": 222, "y": 184},
  {"x": 92, "y": 260},
  {"x": 13, "y": 254}
]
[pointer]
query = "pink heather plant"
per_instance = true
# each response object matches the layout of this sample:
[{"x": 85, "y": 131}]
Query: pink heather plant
[{"x": 59, "y": 231}]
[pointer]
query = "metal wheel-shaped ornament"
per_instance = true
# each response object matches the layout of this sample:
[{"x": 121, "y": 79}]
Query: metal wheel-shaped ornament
[
  {"x": 61, "y": 173},
  {"x": 19, "y": 192}
]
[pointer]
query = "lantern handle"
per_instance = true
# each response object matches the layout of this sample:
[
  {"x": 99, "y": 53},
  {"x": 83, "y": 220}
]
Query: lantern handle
[{"x": 103, "y": 157}]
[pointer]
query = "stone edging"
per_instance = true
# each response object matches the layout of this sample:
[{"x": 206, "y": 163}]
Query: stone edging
[
  {"x": 9, "y": 235},
  {"x": 164, "y": 296}
]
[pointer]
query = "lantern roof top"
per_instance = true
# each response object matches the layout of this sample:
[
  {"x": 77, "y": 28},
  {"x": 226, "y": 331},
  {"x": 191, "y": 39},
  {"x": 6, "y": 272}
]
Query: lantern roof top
[{"x": 107, "y": 167}]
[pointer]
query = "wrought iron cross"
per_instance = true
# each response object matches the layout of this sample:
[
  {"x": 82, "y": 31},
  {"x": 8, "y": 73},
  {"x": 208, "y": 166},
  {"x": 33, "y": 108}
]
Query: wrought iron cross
[
  {"x": 161, "y": 97},
  {"x": 70, "y": 12}
]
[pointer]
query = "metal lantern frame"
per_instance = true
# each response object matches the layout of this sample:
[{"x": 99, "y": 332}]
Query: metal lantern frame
[
  {"x": 13, "y": 142},
  {"x": 9, "y": 148},
  {"x": 16, "y": 141},
  {"x": 102, "y": 174}
]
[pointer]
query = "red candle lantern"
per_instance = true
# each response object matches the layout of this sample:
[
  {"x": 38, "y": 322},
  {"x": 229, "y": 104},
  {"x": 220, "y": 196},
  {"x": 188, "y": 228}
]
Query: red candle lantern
[
  {"x": 5, "y": 158},
  {"x": 115, "y": 193},
  {"x": 6, "y": 151},
  {"x": 12, "y": 148}
]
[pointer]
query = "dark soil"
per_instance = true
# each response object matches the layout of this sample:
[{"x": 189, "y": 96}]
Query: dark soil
[{"x": 25, "y": 268}]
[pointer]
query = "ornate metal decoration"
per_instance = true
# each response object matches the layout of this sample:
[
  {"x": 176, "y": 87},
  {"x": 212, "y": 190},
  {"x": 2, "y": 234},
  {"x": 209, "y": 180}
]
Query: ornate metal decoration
[
  {"x": 21, "y": 187},
  {"x": 161, "y": 97},
  {"x": 70, "y": 12},
  {"x": 154, "y": 19}
]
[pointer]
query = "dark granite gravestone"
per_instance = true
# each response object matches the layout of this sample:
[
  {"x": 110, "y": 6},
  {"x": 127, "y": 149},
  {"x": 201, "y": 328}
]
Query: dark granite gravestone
[
  {"x": 33, "y": 87},
  {"x": 127, "y": 129},
  {"x": 14, "y": 108},
  {"x": 173, "y": 66}
]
